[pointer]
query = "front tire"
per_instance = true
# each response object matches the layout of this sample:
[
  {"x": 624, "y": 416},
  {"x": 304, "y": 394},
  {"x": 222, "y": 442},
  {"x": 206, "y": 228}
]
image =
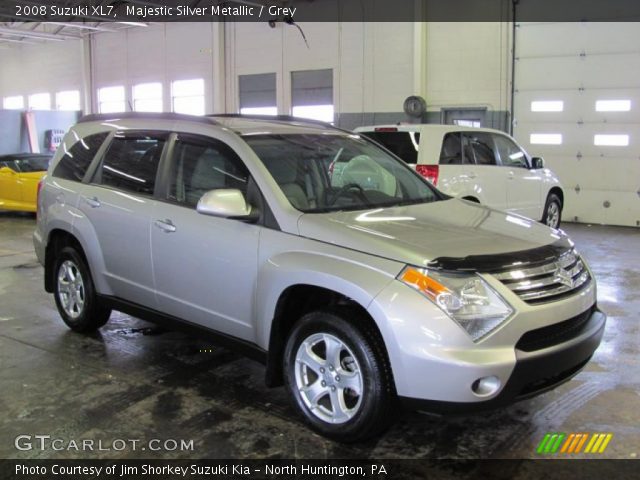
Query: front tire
[
  {"x": 75, "y": 294},
  {"x": 552, "y": 211},
  {"x": 338, "y": 375}
]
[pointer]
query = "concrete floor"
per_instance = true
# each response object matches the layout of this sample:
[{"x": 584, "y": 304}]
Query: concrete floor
[{"x": 135, "y": 381}]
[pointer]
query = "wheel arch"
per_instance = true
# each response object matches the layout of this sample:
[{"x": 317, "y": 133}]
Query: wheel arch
[
  {"x": 57, "y": 239},
  {"x": 296, "y": 301},
  {"x": 81, "y": 235},
  {"x": 557, "y": 191}
]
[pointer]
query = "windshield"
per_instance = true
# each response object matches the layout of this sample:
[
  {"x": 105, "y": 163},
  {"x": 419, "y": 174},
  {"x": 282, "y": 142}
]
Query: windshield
[
  {"x": 323, "y": 173},
  {"x": 33, "y": 164}
]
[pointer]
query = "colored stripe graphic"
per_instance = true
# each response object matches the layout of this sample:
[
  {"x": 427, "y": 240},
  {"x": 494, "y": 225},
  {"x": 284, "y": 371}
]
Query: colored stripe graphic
[
  {"x": 572, "y": 443},
  {"x": 556, "y": 445},
  {"x": 543, "y": 443},
  {"x": 606, "y": 442},
  {"x": 582, "y": 441}
]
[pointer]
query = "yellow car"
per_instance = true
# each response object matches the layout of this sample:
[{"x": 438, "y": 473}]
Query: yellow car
[{"x": 19, "y": 177}]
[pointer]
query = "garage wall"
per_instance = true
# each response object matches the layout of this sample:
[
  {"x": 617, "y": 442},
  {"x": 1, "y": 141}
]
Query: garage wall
[
  {"x": 46, "y": 67},
  {"x": 164, "y": 52},
  {"x": 468, "y": 66},
  {"x": 372, "y": 64},
  {"x": 579, "y": 64}
]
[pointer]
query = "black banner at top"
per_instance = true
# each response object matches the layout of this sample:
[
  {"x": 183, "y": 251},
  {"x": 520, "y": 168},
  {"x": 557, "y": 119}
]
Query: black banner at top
[{"x": 319, "y": 10}]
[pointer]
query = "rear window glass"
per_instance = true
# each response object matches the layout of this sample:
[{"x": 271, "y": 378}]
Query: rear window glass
[
  {"x": 480, "y": 145},
  {"x": 131, "y": 162},
  {"x": 403, "y": 144},
  {"x": 75, "y": 162},
  {"x": 451, "y": 153}
]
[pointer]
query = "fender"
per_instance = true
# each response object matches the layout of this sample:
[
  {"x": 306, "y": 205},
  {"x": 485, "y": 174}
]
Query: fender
[
  {"x": 85, "y": 233},
  {"x": 351, "y": 277}
]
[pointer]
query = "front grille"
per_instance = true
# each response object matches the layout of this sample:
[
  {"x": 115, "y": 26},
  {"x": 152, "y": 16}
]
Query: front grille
[
  {"x": 554, "y": 334},
  {"x": 549, "y": 281}
]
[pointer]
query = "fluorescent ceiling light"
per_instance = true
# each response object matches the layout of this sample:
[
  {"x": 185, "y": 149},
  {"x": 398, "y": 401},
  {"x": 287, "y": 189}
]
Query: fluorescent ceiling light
[
  {"x": 135, "y": 24},
  {"x": 545, "y": 138}
]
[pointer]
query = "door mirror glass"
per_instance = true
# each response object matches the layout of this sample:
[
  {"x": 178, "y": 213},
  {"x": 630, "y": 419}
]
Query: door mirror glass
[
  {"x": 537, "y": 162},
  {"x": 226, "y": 203}
]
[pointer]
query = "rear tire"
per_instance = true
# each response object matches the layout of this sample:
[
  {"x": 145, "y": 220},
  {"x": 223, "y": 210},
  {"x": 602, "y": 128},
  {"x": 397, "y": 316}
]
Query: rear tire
[
  {"x": 338, "y": 375},
  {"x": 75, "y": 295},
  {"x": 552, "y": 211}
]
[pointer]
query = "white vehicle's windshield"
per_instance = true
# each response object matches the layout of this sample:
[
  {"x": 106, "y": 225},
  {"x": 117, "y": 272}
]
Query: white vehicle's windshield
[{"x": 323, "y": 173}]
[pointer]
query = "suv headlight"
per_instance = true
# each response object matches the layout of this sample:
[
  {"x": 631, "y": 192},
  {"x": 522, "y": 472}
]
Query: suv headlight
[{"x": 465, "y": 298}]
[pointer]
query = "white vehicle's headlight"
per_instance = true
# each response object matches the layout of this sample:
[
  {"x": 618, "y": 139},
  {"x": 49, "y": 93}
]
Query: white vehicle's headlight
[{"x": 466, "y": 298}]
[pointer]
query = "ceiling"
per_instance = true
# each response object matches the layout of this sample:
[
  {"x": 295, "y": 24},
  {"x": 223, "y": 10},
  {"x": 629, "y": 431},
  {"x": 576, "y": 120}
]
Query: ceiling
[
  {"x": 17, "y": 30},
  {"x": 21, "y": 30}
]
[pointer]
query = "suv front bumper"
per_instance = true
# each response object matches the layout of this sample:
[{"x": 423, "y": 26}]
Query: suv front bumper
[
  {"x": 436, "y": 364},
  {"x": 534, "y": 373}
]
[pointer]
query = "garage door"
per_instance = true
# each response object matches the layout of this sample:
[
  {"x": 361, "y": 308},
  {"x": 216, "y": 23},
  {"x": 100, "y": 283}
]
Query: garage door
[{"x": 577, "y": 104}]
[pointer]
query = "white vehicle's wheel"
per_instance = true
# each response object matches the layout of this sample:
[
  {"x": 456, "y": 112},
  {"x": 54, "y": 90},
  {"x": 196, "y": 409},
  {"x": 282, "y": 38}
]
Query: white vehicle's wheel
[
  {"x": 338, "y": 376},
  {"x": 552, "y": 211}
]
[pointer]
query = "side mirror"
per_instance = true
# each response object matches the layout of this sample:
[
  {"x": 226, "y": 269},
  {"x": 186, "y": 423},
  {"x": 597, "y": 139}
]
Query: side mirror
[
  {"x": 227, "y": 203},
  {"x": 7, "y": 171},
  {"x": 537, "y": 163}
]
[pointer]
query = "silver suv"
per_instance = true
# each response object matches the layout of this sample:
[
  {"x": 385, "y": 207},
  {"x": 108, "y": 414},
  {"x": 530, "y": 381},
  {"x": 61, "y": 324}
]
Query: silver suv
[{"x": 358, "y": 288}]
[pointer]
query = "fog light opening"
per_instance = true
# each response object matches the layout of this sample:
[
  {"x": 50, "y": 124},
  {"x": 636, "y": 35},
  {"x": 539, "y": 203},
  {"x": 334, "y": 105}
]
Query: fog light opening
[{"x": 485, "y": 386}]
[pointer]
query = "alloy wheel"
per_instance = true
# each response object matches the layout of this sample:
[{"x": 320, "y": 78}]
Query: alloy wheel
[
  {"x": 71, "y": 291},
  {"x": 328, "y": 378}
]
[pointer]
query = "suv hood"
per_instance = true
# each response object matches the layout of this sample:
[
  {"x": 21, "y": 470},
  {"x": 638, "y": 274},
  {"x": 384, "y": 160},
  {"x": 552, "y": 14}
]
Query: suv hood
[{"x": 450, "y": 234}]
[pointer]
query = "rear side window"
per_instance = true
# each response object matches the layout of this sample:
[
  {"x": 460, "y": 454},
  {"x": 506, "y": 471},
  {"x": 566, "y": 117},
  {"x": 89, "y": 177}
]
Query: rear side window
[
  {"x": 75, "y": 162},
  {"x": 131, "y": 162},
  {"x": 480, "y": 145},
  {"x": 451, "y": 153},
  {"x": 404, "y": 144},
  {"x": 203, "y": 164}
]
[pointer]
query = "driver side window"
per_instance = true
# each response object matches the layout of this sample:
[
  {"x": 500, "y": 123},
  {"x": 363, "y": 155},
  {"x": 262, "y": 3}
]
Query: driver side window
[
  {"x": 510, "y": 154},
  {"x": 202, "y": 164}
]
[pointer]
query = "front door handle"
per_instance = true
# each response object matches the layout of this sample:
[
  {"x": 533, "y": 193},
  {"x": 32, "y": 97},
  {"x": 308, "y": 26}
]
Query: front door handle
[
  {"x": 92, "y": 202},
  {"x": 511, "y": 175},
  {"x": 471, "y": 175},
  {"x": 166, "y": 226}
]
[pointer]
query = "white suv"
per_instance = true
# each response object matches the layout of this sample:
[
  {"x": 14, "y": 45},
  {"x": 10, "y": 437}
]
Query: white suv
[{"x": 478, "y": 164}]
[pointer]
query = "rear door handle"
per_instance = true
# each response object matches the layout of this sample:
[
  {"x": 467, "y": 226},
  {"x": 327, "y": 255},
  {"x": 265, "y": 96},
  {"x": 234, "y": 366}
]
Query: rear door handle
[
  {"x": 471, "y": 175},
  {"x": 92, "y": 202},
  {"x": 166, "y": 226},
  {"x": 511, "y": 175}
]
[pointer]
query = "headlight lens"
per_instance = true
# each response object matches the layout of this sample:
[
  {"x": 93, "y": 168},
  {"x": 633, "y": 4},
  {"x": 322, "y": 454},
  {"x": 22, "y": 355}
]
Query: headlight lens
[{"x": 466, "y": 298}]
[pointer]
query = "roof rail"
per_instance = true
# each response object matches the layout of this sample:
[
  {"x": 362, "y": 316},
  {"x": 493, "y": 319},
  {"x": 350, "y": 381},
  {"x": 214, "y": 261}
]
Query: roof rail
[
  {"x": 97, "y": 117},
  {"x": 277, "y": 118}
]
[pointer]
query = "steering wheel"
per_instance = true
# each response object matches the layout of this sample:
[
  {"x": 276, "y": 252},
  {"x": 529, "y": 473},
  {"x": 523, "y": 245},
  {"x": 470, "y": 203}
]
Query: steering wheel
[{"x": 344, "y": 189}]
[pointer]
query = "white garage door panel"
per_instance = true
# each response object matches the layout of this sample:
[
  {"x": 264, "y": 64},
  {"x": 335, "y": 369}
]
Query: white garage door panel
[
  {"x": 592, "y": 71},
  {"x": 573, "y": 172},
  {"x": 580, "y": 138},
  {"x": 585, "y": 206},
  {"x": 581, "y": 105},
  {"x": 580, "y": 64},
  {"x": 574, "y": 38}
]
